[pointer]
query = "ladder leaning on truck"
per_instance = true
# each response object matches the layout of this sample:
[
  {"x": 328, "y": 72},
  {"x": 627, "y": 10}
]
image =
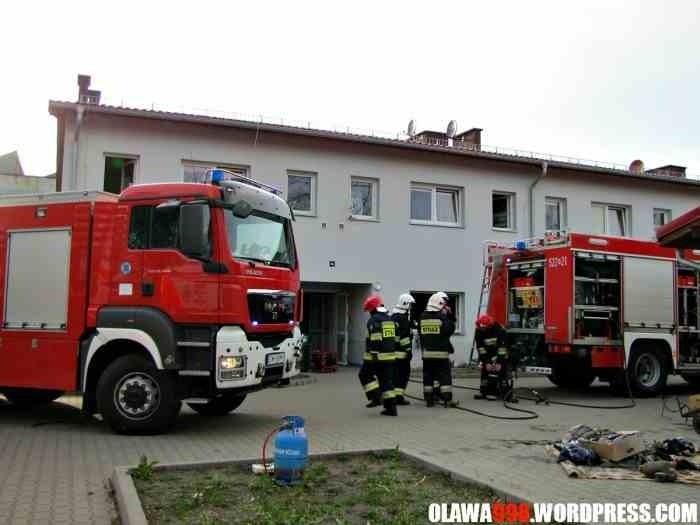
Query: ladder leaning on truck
[
  {"x": 579, "y": 306},
  {"x": 163, "y": 294}
]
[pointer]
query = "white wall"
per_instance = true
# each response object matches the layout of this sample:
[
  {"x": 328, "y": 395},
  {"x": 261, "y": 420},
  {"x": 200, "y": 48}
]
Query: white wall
[{"x": 391, "y": 251}]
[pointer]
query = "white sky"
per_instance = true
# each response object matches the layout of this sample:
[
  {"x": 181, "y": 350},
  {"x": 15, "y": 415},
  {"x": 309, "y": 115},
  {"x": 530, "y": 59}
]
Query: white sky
[{"x": 609, "y": 80}]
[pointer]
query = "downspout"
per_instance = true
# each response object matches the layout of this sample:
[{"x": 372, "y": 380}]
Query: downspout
[
  {"x": 542, "y": 174},
  {"x": 79, "y": 115}
]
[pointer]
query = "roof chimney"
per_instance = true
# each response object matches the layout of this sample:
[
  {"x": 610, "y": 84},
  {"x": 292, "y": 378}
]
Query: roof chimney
[
  {"x": 669, "y": 170},
  {"x": 86, "y": 95},
  {"x": 470, "y": 139}
]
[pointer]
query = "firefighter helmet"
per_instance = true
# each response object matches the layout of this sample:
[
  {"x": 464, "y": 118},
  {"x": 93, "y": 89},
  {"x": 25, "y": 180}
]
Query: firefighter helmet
[
  {"x": 437, "y": 301},
  {"x": 404, "y": 302},
  {"x": 372, "y": 303},
  {"x": 484, "y": 321}
]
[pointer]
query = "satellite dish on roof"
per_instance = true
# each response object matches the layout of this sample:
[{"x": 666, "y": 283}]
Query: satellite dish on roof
[
  {"x": 636, "y": 167},
  {"x": 452, "y": 128},
  {"x": 412, "y": 128}
]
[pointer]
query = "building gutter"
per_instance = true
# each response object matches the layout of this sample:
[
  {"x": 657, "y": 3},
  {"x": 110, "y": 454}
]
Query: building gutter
[{"x": 541, "y": 175}]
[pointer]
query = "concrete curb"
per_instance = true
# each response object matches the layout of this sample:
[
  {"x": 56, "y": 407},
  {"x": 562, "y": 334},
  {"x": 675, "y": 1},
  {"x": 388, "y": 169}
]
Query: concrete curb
[
  {"x": 128, "y": 502},
  {"x": 131, "y": 511}
]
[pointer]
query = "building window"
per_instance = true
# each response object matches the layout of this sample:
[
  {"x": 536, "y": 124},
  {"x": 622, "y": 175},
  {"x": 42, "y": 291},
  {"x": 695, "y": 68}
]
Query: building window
[
  {"x": 435, "y": 205},
  {"x": 503, "y": 210},
  {"x": 555, "y": 214},
  {"x": 421, "y": 303},
  {"x": 364, "y": 198},
  {"x": 301, "y": 192},
  {"x": 119, "y": 172},
  {"x": 196, "y": 171},
  {"x": 661, "y": 217},
  {"x": 610, "y": 219}
]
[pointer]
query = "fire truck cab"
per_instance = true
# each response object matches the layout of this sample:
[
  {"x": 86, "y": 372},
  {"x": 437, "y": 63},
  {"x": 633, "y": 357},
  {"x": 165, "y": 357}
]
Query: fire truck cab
[
  {"x": 167, "y": 293},
  {"x": 578, "y": 306}
]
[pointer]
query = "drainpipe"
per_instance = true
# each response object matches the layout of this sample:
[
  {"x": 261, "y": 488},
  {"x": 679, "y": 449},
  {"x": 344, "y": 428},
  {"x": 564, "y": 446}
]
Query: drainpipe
[
  {"x": 542, "y": 174},
  {"x": 79, "y": 115}
]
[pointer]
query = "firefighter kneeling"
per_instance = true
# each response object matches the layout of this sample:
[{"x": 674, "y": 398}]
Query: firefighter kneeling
[
  {"x": 377, "y": 372},
  {"x": 435, "y": 329},
  {"x": 496, "y": 378}
]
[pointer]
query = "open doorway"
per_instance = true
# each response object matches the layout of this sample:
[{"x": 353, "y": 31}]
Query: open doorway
[{"x": 326, "y": 321}]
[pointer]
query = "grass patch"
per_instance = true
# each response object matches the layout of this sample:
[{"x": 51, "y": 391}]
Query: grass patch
[{"x": 374, "y": 488}]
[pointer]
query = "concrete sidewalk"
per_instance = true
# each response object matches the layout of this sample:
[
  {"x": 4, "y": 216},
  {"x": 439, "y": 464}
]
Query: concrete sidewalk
[{"x": 54, "y": 464}]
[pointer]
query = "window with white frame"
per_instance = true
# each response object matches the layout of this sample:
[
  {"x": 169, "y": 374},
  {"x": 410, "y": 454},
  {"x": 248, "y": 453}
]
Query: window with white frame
[
  {"x": 194, "y": 171},
  {"x": 119, "y": 172},
  {"x": 455, "y": 305},
  {"x": 610, "y": 219},
  {"x": 364, "y": 198},
  {"x": 503, "y": 210},
  {"x": 661, "y": 217},
  {"x": 555, "y": 214},
  {"x": 301, "y": 192},
  {"x": 431, "y": 204}
]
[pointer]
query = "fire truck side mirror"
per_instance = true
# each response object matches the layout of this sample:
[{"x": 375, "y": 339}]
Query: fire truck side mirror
[{"x": 194, "y": 230}]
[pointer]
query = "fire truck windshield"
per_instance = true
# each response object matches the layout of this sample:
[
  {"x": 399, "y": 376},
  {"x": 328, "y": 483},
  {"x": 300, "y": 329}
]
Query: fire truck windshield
[{"x": 261, "y": 237}]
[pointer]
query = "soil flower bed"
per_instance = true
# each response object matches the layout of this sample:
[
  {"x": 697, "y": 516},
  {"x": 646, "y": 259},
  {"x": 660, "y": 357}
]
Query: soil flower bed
[{"x": 374, "y": 488}]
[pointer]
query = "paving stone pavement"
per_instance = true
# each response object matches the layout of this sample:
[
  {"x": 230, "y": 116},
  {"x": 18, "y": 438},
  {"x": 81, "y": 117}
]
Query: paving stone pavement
[{"x": 54, "y": 464}]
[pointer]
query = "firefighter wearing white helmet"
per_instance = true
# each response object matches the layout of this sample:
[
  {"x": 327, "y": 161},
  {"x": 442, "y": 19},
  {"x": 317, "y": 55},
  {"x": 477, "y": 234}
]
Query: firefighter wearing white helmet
[
  {"x": 435, "y": 328},
  {"x": 401, "y": 315}
]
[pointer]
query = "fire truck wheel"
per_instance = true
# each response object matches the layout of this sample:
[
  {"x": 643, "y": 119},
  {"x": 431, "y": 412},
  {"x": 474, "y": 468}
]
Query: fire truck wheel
[
  {"x": 29, "y": 397},
  {"x": 219, "y": 406},
  {"x": 136, "y": 398},
  {"x": 647, "y": 372}
]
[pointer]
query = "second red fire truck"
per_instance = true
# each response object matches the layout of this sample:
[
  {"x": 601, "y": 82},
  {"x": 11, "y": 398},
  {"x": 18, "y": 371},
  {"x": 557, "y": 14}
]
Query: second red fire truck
[
  {"x": 167, "y": 293},
  {"x": 579, "y": 306}
]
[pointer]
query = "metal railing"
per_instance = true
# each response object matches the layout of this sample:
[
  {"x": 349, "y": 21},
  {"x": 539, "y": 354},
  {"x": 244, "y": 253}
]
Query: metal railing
[{"x": 375, "y": 133}]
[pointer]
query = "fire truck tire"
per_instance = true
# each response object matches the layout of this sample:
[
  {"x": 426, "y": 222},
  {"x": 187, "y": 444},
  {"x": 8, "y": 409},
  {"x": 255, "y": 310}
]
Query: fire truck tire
[
  {"x": 647, "y": 372},
  {"x": 219, "y": 406},
  {"x": 134, "y": 397},
  {"x": 30, "y": 397}
]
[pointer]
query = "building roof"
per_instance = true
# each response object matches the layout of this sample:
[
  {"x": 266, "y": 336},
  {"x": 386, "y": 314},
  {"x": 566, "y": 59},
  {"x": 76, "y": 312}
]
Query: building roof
[
  {"x": 10, "y": 164},
  {"x": 682, "y": 232},
  {"x": 519, "y": 157}
]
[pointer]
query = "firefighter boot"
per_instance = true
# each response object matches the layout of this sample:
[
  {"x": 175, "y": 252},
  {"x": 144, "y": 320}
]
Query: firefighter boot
[
  {"x": 389, "y": 407},
  {"x": 374, "y": 400},
  {"x": 429, "y": 399},
  {"x": 448, "y": 402},
  {"x": 402, "y": 401}
]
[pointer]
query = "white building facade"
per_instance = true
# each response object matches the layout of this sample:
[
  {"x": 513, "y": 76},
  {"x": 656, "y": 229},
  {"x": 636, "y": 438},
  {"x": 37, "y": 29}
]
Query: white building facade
[{"x": 371, "y": 213}]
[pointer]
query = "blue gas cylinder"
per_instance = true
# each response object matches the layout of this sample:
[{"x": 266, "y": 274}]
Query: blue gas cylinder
[{"x": 291, "y": 451}]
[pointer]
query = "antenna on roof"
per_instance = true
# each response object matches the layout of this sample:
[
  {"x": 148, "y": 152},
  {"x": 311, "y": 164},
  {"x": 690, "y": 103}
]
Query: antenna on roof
[
  {"x": 412, "y": 128},
  {"x": 451, "y": 132}
]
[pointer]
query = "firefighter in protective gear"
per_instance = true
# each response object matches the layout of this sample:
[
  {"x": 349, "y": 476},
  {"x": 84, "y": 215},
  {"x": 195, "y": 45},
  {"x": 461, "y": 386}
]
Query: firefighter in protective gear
[
  {"x": 401, "y": 315},
  {"x": 377, "y": 372},
  {"x": 435, "y": 329},
  {"x": 496, "y": 379}
]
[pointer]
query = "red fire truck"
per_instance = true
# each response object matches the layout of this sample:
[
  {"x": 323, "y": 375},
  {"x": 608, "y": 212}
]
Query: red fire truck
[
  {"x": 579, "y": 306},
  {"x": 167, "y": 293}
]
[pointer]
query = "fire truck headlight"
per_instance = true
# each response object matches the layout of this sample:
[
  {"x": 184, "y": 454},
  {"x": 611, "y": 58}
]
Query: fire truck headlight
[
  {"x": 231, "y": 362},
  {"x": 232, "y": 367}
]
